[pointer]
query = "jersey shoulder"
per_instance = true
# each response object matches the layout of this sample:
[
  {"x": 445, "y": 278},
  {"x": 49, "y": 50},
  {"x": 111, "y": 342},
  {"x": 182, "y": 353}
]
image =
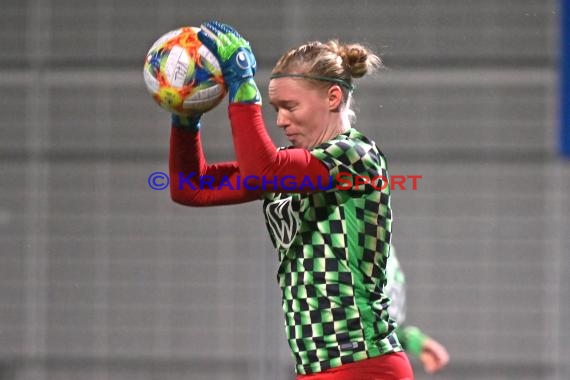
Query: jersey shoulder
[{"x": 351, "y": 152}]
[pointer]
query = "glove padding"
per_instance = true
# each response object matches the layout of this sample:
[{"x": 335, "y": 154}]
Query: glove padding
[{"x": 236, "y": 60}]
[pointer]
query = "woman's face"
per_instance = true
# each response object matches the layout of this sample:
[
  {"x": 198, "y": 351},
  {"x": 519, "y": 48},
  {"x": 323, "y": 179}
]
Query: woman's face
[{"x": 303, "y": 110}]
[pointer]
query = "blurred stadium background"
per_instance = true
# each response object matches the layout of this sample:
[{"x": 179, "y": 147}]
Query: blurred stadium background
[{"x": 103, "y": 278}]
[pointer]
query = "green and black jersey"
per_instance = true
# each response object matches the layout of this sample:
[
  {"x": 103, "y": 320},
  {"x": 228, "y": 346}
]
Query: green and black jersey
[{"x": 333, "y": 246}]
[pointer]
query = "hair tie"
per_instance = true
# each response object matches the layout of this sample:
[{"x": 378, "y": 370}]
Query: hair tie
[{"x": 341, "y": 82}]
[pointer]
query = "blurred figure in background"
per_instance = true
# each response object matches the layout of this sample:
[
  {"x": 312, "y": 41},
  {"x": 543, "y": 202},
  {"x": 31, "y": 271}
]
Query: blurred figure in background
[{"x": 430, "y": 352}]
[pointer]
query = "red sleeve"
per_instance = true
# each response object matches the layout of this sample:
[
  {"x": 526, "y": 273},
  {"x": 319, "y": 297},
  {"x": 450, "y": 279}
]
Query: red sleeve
[
  {"x": 259, "y": 167},
  {"x": 258, "y": 156},
  {"x": 195, "y": 183}
]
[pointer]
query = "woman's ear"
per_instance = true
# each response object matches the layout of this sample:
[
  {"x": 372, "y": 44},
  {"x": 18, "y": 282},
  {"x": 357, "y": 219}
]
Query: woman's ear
[{"x": 334, "y": 97}]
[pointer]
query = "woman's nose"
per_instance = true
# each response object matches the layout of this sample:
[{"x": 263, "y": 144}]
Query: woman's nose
[{"x": 281, "y": 120}]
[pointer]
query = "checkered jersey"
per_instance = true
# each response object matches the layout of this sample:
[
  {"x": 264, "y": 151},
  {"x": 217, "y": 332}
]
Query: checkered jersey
[{"x": 333, "y": 247}]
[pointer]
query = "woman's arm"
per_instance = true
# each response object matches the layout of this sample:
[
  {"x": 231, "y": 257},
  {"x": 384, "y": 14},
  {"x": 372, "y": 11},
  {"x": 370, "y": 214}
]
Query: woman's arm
[
  {"x": 258, "y": 157},
  {"x": 195, "y": 183},
  {"x": 432, "y": 354},
  {"x": 260, "y": 167}
]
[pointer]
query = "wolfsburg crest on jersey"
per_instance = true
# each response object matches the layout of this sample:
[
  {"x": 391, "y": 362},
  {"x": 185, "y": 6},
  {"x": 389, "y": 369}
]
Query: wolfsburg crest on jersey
[{"x": 282, "y": 218}]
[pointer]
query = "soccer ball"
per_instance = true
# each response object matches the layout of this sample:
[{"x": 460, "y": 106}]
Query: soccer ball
[{"x": 182, "y": 75}]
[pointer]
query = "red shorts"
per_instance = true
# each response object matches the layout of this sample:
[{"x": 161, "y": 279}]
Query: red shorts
[{"x": 393, "y": 366}]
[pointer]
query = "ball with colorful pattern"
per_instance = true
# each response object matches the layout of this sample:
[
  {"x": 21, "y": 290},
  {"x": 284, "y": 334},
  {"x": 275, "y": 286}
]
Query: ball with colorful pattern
[{"x": 182, "y": 75}]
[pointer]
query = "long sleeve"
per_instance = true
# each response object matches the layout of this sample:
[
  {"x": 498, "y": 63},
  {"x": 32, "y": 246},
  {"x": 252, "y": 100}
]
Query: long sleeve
[
  {"x": 412, "y": 339},
  {"x": 259, "y": 168},
  {"x": 258, "y": 156},
  {"x": 195, "y": 183}
]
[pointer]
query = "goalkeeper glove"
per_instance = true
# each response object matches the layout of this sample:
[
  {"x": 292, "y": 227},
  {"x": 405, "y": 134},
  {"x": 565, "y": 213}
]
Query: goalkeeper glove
[{"x": 236, "y": 60}]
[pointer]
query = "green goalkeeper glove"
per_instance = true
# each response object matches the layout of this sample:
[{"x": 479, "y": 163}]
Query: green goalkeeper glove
[{"x": 236, "y": 60}]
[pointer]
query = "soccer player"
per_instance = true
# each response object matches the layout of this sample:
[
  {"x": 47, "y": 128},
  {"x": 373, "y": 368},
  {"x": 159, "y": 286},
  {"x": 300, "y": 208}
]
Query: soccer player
[
  {"x": 430, "y": 352},
  {"x": 332, "y": 245}
]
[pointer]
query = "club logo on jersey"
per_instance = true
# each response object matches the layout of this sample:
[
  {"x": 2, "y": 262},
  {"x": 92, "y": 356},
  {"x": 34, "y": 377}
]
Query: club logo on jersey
[{"x": 283, "y": 221}]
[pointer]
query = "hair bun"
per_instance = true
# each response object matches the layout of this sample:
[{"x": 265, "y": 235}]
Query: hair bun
[{"x": 357, "y": 59}]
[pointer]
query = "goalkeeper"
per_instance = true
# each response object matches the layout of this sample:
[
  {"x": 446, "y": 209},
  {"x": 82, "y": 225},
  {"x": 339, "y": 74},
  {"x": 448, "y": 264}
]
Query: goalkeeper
[{"x": 332, "y": 245}]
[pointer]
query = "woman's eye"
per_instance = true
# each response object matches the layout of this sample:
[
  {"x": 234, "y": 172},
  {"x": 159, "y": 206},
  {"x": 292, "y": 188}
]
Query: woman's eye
[{"x": 286, "y": 107}]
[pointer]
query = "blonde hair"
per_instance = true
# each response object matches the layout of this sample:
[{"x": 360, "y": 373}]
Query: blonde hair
[{"x": 331, "y": 62}]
